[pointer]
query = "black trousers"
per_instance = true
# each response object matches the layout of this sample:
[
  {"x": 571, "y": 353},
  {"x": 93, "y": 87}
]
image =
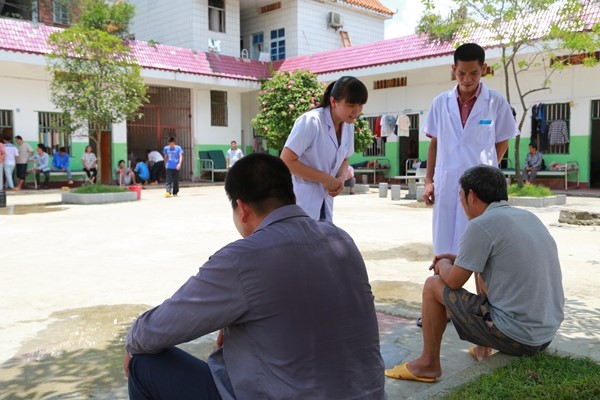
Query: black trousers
[
  {"x": 173, "y": 181},
  {"x": 156, "y": 171}
]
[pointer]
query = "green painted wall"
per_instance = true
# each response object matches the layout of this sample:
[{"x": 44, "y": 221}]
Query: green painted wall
[{"x": 579, "y": 151}]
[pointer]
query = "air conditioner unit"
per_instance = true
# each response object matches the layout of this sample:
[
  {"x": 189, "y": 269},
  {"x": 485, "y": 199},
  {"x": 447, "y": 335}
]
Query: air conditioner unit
[
  {"x": 335, "y": 20},
  {"x": 214, "y": 45}
]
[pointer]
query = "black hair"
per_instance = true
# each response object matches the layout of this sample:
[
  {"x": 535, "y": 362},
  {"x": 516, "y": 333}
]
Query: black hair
[
  {"x": 533, "y": 145},
  {"x": 41, "y": 146},
  {"x": 469, "y": 52},
  {"x": 148, "y": 151},
  {"x": 121, "y": 161},
  {"x": 345, "y": 88},
  {"x": 486, "y": 181},
  {"x": 262, "y": 181},
  {"x": 18, "y": 137},
  {"x": 62, "y": 149},
  {"x": 171, "y": 140}
]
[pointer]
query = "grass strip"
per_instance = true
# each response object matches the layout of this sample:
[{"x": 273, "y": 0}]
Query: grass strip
[
  {"x": 543, "y": 376},
  {"x": 92, "y": 189}
]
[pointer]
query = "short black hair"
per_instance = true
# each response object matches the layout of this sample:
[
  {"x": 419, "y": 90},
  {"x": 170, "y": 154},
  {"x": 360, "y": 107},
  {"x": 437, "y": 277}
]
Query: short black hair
[
  {"x": 533, "y": 145},
  {"x": 171, "y": 139},
  {"x": 469, "y": 52},
  {"x": 41, "y": 146},
  {"x": 18, "y": 137},
  {"x": 261, "y": 180},
  {"x": 62, "y": 149},
  {"x": 489, "y": 183}
]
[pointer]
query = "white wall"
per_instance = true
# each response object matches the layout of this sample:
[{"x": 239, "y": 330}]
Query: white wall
[
  {"x": 203, "y": 132},
  {"x": 184, "y": 23},
  {"x": 314, "y": 35}
]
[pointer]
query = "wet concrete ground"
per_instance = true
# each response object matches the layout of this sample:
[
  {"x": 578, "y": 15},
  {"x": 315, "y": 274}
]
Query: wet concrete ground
[{"x": 74, "y": 277}]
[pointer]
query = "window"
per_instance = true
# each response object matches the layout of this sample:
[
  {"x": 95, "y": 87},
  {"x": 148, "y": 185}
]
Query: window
[
  {"x": 218, "y": 108},
  {"x": 216, "y": 15},
  {"x": 278, "y": 44},
  {"x": 258, "y": 40},
  {"x": 551, "y": 127},
  {"x": 6, "y": 123},
  {"x": 60, "y": 11},
  {"x": 52, "y": 128}
]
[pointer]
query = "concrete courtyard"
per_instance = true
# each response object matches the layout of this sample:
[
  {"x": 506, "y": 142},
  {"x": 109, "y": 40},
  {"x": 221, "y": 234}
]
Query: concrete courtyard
[{"x": 75, "y": 276}]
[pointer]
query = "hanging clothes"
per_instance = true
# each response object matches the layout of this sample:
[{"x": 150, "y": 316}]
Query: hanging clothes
[
  {"x": 558, "y": 132},
  {"x": 542, "y": 127},
  {"x": 388, "y": 125},
  {"x": 377, "y": 129},
  {"x": 403, "y": 123}
]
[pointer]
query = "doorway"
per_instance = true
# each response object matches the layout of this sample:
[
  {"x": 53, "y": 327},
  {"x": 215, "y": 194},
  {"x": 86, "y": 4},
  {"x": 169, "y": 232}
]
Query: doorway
[
  {"x": 168, "y": 114},
  {"x": 595, "y": 146}
]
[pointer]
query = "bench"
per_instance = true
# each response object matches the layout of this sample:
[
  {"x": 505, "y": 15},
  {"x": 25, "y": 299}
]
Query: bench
[
  {"x": 408, "y": 167},
  {"x": 381, "y": 165},
  {"x": 562, "y": 170},
  {"x": 74, "y": 175},
  {"x": 213, "y": 161}
]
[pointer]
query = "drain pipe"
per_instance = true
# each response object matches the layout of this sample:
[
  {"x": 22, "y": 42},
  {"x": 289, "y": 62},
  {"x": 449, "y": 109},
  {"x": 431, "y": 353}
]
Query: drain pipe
[{"x": 2, "y": 198}]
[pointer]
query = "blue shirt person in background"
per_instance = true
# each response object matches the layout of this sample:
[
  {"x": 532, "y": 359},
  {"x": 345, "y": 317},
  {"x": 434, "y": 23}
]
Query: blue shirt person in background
[
  {"x": 142, "y": 173},
  {"x": 173, "y": 157},
  {"x": 60, "y": 163},
  {"x": 291, "y": 301}
]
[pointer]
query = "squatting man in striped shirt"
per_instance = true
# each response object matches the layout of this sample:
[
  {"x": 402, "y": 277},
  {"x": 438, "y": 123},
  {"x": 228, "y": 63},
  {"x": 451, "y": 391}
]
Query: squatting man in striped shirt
[{"x": 515, "y": 260}]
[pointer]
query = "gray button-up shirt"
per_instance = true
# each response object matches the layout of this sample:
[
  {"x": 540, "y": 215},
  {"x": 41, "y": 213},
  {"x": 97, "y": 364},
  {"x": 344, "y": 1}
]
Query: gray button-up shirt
[{"x": 297, "y": 308}]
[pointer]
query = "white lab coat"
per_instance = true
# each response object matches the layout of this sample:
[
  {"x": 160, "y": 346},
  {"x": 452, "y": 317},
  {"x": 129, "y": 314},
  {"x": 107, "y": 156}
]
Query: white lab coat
[
  {"x": 313, "y": 139},
  {"x": 490, "y": 121}
]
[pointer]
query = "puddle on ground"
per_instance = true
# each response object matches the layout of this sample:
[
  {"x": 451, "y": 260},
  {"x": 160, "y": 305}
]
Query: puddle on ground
[
  {"x": 400, "y": 298},
  {"x": 79, "y": 356},
  {"x": 24, "y": 209},
  {"x": 409, "y": 252}
]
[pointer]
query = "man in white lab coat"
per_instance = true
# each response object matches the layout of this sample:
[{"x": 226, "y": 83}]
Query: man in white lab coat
[{"x": 468, "y": 125}]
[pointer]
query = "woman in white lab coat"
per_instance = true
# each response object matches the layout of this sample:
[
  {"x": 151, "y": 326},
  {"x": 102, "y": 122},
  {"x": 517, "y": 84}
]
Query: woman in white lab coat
[{"x": 322, "y": 139}]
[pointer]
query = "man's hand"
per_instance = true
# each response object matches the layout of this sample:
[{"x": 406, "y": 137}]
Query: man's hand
[
  {"x": 126, "y": 360},
  {"x": 428, "y": 194},
  {"x": 333, "y": 185},
  {"x": 220, "y": 338}
]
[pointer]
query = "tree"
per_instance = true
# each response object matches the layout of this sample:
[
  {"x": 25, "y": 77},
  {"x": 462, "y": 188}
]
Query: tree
[
  {"x": 286, "y": 96},
  {"x": 95, "y": 80},
  {"x": 524, "y": 41}
]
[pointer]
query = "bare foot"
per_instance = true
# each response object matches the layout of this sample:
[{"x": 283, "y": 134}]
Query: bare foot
[{"x": 480, "y": 353}]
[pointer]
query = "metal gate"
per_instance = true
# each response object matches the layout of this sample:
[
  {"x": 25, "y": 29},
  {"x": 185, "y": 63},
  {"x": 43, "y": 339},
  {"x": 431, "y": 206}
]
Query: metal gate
[{"x": 167, "y": 114}]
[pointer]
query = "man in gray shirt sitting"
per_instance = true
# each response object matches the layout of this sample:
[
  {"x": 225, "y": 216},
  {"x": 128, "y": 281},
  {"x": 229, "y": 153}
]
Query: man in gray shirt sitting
[
  {"x": 515, "y": 260},
  {"x": 291, "y": 299}
]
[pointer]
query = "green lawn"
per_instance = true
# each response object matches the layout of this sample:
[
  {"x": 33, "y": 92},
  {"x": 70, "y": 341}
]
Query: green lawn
[
  {"x": 529, "y": 191},
  {"x": 87, "y": 189},
  {"x": 541, "y": 377}
]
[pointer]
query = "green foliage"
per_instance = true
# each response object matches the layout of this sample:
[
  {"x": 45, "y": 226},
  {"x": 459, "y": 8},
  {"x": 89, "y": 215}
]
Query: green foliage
[
  {"x": 93, "y": 189},
  {"x": 114, "y": 19},
  {"x": 288, "y": 95},
  {"x": 363, "y": 136},
  {"x": 540, "y": 377},
  {"x": 438, "y": 27},
  {"x": 95, "y": 80},
  {"x": 282, "y": 99},
  {"x": 529, "y": 191}
]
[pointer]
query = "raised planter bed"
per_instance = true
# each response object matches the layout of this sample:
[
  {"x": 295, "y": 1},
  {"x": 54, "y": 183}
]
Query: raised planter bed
[
  {"x": 519, "y": 201},
  {"x": 98, "y": 198}
]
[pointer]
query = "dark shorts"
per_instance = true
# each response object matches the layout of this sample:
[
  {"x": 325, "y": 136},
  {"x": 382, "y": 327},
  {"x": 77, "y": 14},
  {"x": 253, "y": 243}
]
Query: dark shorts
[
  {"x": 21, "y": 171},
  {"x": 471, "y": 318}
]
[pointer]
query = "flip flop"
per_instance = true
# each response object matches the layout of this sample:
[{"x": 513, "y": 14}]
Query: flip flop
[{"x": 402, "y": 372}]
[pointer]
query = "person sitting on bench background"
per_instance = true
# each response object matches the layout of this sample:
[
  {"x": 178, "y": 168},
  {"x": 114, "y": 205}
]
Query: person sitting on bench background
[{"x": 60, "y": 163}]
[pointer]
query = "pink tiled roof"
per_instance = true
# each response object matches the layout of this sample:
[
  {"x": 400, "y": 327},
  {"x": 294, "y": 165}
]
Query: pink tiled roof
[
  {"x": 26, "y": 37},
  {"x": 391, "y": 51}
]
